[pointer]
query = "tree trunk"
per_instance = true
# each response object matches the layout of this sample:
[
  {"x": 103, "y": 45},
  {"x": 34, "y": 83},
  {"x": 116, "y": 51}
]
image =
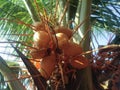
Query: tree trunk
[
  {"x": 85, "y": 74},
  {"x": 10, "y": 76}
]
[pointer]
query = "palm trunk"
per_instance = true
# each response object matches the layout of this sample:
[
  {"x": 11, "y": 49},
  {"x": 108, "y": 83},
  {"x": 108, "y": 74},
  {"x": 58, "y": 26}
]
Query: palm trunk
[
  {"x": 85, "y": 74},
  {"x": 10, "y": 76}
]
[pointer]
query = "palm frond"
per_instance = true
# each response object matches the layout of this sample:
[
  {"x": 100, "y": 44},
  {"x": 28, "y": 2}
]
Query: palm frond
[
  {"x": 106, "y": 15},
  {"x": 39, "y": 81}
]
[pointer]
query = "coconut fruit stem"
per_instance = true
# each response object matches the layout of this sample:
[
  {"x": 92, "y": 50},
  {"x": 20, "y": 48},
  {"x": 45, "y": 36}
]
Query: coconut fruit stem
[{"x": 62, "y": 74}]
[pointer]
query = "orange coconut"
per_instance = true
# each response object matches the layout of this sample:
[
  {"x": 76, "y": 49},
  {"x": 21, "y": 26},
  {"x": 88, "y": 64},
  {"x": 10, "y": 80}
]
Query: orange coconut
[
  {"x": 62, "y": 39},
  {"x": 79, "y": 62},
  {"x": 37, "y": 54},
  {"x": 72, "y": 49},
  {"x": 41, "y": 39},
  {"x": 64, "y": 30},
  {"x": 39, "y": 26},
  {"x": 48, "y": 65}
]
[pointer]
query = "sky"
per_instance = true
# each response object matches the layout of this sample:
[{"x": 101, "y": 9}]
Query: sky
[{"x": 102, "y": 38}]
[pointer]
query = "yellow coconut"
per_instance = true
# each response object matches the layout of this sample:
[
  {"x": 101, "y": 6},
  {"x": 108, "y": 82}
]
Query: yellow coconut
[
  {"x": 37, "y": 54},
  {"x": 62, "y": 39},
  {"x": 64, "y": 30},
  {"x": 79, "y": 62},
  {"x": 41, "y": 39},
  {"x": 72, "y": 49},
  {"x": 39, "y": 26},
  {"x": 48, "y": 65}
]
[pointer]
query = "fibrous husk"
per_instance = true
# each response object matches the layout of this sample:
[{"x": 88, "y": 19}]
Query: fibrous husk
[
  {"x": 62, "y": 39},
  {"x": 79, "y": 62},
  {"x": 64, "y": 30},
  {"x": 72, "y": 49},
  {"x": 48, "y": 65},
  {"x": 41, "y": 39}
]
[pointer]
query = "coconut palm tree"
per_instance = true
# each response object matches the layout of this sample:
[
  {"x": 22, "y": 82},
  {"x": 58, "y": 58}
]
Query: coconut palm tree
[{"x": 18, "y": 16}]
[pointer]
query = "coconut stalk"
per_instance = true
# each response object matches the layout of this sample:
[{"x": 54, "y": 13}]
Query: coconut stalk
[{"x": 10, "y": 76}]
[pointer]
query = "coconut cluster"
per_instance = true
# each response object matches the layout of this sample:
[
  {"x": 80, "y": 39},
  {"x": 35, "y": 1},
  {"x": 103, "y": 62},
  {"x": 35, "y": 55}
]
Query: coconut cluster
[{"x": 61, "y": 45}]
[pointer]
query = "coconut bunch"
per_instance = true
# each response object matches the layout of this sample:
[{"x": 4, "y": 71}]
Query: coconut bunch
[
  {"x": 48, "y": 45},
  {"x": 70, "y": 50}
]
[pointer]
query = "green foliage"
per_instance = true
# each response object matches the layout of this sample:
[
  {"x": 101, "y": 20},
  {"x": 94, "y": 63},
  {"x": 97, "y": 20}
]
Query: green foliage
[
  {"x": 105, "y": 14},
  {"x": 11, "y": 27}
]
